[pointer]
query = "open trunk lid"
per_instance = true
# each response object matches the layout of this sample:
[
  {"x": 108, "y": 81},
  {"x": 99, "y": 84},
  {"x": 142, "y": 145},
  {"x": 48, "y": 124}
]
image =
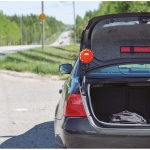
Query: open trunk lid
[{"x": 116, "y": 38}]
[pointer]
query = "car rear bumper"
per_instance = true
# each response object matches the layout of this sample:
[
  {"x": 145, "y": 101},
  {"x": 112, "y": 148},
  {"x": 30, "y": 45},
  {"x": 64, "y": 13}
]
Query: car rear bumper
[{"x": 78, "y": 133}]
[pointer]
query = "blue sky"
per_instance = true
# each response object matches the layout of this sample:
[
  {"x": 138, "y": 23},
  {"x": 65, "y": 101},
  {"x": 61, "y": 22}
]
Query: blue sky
[{"x": 61, "y": 10}]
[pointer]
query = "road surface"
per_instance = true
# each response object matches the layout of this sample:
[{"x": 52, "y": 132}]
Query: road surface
[
  {"x": 63, "y": 39},
  {"x": 27, "y": 107},
  {"x": 13, "y": 49}
]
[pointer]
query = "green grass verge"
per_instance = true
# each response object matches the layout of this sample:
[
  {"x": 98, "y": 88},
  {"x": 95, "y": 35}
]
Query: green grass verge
[
  {"x": 53, "y": 39},
  {"x": 72, "y": 40},
  {"x": 44, "y": 62}
]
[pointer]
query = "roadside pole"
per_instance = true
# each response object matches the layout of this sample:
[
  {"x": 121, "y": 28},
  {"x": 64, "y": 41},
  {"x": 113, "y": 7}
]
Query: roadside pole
[
  {"x": 42, "y": 26},
  {"x": 74, "y": 23},
  {"x": 42, "y": 17},
  {"x": 34, "y": 34},
  {"x": 21, "y": 30}
]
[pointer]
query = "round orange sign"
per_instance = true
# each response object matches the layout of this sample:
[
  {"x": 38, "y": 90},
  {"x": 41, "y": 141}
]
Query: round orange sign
[
  {"x": 74, "y": 31},
  {"x": 42, "y": 16}
]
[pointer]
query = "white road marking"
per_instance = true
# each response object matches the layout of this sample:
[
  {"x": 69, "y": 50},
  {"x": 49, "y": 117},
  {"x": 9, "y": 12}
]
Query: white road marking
[{"x": 21, "y": 109}]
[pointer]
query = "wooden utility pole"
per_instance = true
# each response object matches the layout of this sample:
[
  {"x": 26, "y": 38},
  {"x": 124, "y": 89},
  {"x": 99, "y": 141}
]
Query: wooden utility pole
[
  {"x": 42, "y": 26},
  {"x": 74, "y": 23}
]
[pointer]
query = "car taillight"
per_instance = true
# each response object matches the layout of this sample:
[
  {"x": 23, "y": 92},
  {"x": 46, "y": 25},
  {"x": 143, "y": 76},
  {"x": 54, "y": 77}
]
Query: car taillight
[
  {"x": 74, "y": 106},
  {"x": 135, "y": 49}
]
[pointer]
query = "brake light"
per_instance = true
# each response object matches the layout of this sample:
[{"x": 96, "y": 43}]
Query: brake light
[
  {"x": 74, "y": 106},
  {"x": 136, "y": 49}
]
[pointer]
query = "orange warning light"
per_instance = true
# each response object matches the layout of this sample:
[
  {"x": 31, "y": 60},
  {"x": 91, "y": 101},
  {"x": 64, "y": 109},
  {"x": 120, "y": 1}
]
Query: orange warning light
[{"x": 86, "y": 56}]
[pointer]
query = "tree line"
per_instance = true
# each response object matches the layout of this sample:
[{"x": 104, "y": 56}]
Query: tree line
[
  {"x": 113, "y": 7},
  {"x": 16, "y": 30}
]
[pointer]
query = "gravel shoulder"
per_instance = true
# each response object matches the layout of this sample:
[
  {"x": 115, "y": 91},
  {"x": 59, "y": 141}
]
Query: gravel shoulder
[
  {"x": 27, "y": 105},
  {"x": 29, "y": 75}
]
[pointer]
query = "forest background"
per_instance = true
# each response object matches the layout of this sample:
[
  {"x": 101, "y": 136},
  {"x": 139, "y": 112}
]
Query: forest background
[{"x": 26, "y": 30}]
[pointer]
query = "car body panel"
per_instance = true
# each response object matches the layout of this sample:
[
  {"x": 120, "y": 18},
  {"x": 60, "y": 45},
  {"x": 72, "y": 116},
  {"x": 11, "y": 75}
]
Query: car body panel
[{"x": 78, "y": 133}]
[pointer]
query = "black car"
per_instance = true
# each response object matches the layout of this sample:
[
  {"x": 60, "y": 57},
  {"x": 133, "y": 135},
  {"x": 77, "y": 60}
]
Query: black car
[{"x": 105, "y": 102}]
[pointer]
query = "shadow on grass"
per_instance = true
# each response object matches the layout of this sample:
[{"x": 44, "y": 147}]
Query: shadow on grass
[
  {"x": 60, "y": 48},
  {"x": 12, "y": 59},
  {"x": 40, "y": 136},
  {"x": 57, "y": 56},
  {"x": 39, "y": 58}
]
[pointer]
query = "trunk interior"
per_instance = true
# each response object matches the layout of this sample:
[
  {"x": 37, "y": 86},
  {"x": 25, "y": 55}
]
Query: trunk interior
[{"x": 108, "y": 99}]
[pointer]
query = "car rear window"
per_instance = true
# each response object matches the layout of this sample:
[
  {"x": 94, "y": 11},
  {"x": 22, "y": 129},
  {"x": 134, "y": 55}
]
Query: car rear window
[{"x": 123, "y": 69}]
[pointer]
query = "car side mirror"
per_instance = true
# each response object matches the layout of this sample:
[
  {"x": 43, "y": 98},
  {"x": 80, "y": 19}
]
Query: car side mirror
[{"x": 65, "y": 68}]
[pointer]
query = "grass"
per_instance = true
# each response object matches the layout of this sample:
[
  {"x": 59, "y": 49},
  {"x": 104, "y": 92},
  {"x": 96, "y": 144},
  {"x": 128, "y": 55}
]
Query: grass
[
  {"x": 72, "y": 40},
  {"x": 53, "y": 39},
  {"x": 44, "y": 62}
]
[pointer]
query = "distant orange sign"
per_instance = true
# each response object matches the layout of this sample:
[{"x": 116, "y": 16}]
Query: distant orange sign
[
  {"x": 42, "y": 16},
  {"x": 74, "y": 31}
]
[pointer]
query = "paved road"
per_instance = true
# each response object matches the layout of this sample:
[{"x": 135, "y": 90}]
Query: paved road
[
  {"x": 12, "y": 49},
  {"x": 63, "y": 39},
  {"x": 27, "y": 106}
]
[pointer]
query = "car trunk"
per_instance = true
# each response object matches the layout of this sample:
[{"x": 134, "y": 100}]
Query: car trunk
[
  {"x": 106, "y": 37},
  {"x": 108, "y": 99}
]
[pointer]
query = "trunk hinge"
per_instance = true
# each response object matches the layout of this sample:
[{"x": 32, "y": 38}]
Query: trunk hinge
[{"x": 83, "y": 69}]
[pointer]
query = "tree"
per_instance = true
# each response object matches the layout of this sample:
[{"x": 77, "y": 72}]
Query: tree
[
  {"x": 10, "y": 28},
  {"x": 114, "y": 7},
  {"x": 80, "y": 26}
]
